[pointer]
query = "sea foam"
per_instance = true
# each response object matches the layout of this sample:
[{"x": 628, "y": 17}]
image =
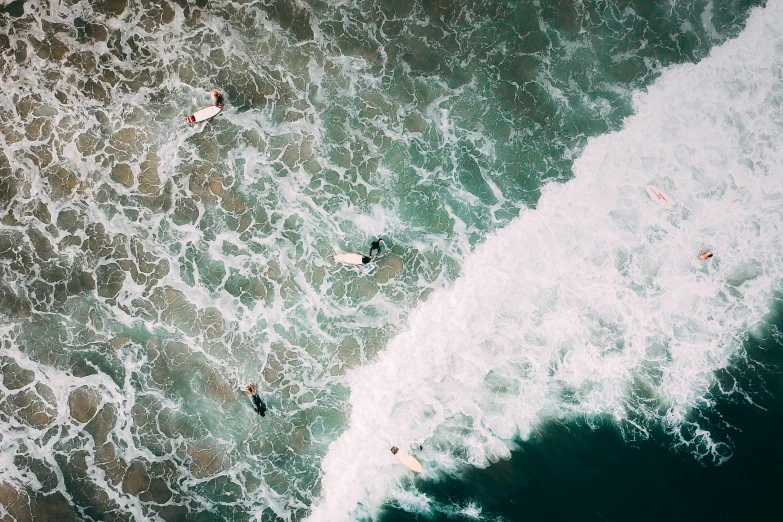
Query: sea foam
[{"x": 596, "y": 303}]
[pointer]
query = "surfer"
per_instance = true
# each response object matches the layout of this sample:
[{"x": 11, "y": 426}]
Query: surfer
[
  {"x": 705, "y": 254},
  {"x": 208, "y": 112},
  {"x": 217, "y": 99},
  {"x": 258, "y": 404},
  {"x": 409, "y": 461},
  {"x": 375, "y": 249}
]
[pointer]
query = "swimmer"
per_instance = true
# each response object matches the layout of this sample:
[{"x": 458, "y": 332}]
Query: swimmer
[
  {"x": 705, "y": 254},
  {"x": 217, "y": 99},
  {"x": 375, "y": 249},
  {"x": 258, "y": 404}
]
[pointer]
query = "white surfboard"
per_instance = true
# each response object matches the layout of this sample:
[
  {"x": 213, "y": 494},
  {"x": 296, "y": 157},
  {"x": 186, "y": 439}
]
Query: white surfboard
[
  {"x": 204, "y": 114},
  {"x": 351, "y": 259},
  {"x": 660, "y": 197},
  {"x": 409, "y": 461}
]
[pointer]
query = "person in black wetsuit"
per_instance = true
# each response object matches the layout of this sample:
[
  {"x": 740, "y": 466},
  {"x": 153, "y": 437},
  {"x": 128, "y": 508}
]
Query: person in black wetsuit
[
  {"x": 217, "y": 99},
  {"x": 258, "y": 404},
  {"x": 375, "y": 249}
]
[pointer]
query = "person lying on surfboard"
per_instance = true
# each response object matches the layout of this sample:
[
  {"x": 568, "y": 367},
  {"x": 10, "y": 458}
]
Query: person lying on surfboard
[
  {"x": 208, "y": 112},
  {"x": 217, "y": 99},
  {"x": 258, "y": 404},
  {"x": 375, "y": 249},
  {"x": 409, "y": 461}
]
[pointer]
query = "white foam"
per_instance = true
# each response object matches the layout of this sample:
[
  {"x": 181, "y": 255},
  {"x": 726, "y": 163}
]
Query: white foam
[{"x": 598, "y": 295}]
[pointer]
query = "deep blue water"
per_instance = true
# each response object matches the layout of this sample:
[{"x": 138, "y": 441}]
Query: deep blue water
[{"x": 573, "y": 471}]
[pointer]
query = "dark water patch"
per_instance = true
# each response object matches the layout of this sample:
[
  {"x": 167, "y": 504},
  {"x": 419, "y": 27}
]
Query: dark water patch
[
  {"x": 156, "y": 14},
  {"x": 14, "y": 376},
  {"x": 730, "y": 16},
  {"x": 590, "y": 471},
  {"x": 603, "y": 478},
  {"x": 14, "y": 9},
  {"x": 650, "y": 32},
  {"x": 32, "y": 406},
  {"x": 44, "y": 508},
  {"x": 397, "y": 10},
  {"x": 95, "y": 90},
  {"x": 8, "y": 184},
  {"x": 41, "y": 470},
  {"x": 86, "y": 30},
  {"x": 562, "y": 15},
  {"x": 20, "y": 52},
  {"x": 101, "y": 424},
  {"x": 13, "y": 304},
  {"x": 49, "y": 48},
  {"x": 74, "y": 468},
  {"x": 111, "y": 8},
  {"x": 83, "y": 403},
  {"x": 291, "y": 17}
]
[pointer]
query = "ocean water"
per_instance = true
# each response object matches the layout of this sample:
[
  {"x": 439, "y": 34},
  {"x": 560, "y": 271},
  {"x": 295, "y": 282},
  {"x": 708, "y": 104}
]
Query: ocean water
[{"x": 533, "y": 308}]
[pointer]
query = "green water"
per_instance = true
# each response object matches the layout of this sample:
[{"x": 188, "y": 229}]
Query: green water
[{"x": 148, "y": 269}]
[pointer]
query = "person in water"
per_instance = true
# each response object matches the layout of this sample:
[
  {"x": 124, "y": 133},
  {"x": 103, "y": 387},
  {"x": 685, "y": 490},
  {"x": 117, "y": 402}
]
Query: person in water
[
  {"x": 217, "y": 99},
  {"x": 258, "y": 404},
  {"x": 375, "y": 249},
  {"x": 705, "y": 254}
]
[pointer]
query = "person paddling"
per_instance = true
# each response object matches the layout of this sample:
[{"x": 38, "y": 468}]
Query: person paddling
[
  {"x": 375, "y": 249},
  {"x": 217, "y": 99},
  {"x": 207, "y": 112},
  {"x": 258, "y": 404}
]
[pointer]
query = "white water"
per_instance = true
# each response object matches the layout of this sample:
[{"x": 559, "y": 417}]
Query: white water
[{"x": 596, "y": 301}]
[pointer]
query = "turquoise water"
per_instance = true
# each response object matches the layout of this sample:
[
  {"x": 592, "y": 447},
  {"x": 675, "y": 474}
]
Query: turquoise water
[{"x": 150, "y": 268}]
